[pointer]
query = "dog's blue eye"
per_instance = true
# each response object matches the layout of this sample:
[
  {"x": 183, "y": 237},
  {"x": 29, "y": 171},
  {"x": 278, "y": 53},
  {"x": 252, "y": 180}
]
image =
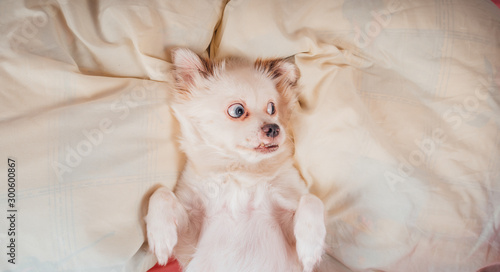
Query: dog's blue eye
[
  {"x": 270, "y": 108},
  {"x": 236, "y": 110}
]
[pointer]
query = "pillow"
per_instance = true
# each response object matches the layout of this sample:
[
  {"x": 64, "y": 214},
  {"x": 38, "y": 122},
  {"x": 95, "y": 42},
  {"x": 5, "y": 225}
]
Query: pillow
[
  {"x": 398, "y": 124},
  {"x": 84, "y": 116}
]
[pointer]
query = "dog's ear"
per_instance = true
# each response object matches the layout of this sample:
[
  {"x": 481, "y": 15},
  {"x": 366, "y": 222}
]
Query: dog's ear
[
  {"x": 281, "y": 70},
  {"x": 188, "y": 66}
]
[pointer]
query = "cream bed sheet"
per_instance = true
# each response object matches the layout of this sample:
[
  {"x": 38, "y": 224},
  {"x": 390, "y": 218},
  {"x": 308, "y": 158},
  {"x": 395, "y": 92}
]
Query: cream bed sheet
[{"x": 398, "y": 129}]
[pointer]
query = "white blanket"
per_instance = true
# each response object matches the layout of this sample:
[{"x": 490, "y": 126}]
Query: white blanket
[{"x": 398, "y": 129}]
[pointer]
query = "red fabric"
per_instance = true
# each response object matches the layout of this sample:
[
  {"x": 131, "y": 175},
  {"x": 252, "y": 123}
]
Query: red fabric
[
  {"x": 497, "y": 2},
  {"x": 172, "y": 266}
]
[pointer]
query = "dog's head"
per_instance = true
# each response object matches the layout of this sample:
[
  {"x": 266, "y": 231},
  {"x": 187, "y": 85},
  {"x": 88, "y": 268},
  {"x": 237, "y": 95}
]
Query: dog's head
[{"x": 233, "y": 108}]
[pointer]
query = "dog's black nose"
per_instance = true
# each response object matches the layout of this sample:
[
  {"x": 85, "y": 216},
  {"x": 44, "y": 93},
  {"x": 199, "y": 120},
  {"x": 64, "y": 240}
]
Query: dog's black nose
[{"x": 271, "y": 130}]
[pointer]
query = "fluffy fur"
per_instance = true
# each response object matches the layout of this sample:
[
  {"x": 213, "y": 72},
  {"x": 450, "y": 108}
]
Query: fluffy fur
[{"x": 240, "y": 205}]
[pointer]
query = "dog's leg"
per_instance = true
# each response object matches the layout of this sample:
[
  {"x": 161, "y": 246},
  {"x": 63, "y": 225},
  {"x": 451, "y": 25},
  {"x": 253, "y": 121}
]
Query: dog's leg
[
  {"x": 165, "y": 215},
  {"x": 310, "y": 231}
]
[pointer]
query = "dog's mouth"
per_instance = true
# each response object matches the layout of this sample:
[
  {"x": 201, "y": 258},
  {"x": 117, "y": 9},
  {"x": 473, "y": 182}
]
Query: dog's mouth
[{"x": 267, "y": 148}]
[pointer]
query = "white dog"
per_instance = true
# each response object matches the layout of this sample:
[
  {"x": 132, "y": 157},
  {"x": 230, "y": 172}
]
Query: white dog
[{"x": 240, "y": 204}]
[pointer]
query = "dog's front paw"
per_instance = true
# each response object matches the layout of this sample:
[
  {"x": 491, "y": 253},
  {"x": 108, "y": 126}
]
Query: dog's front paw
[
  {"x": 310, "y": 231},
  {"x": 162, "y": 240},
  {"x": 161, "y": 222}
]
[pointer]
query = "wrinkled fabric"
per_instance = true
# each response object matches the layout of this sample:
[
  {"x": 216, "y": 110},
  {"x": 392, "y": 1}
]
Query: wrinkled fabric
[
  {"x": 84, "y": 114},
  {"x": 398, "y": 129}
]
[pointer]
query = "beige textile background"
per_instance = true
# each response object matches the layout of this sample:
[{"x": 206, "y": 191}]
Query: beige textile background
[{"x": 398, "y": 129}]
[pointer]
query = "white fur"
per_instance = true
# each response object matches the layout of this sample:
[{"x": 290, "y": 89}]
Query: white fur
[{"x": 235, "y": 208}]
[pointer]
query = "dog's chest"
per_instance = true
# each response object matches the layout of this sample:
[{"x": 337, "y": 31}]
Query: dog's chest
[
  {"x": 242, "y": 222},
  {"x": 238, "y": 199}
]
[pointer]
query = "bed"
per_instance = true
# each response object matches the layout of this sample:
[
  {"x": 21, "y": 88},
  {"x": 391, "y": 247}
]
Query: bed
[{"x": 397, "y": 130}]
